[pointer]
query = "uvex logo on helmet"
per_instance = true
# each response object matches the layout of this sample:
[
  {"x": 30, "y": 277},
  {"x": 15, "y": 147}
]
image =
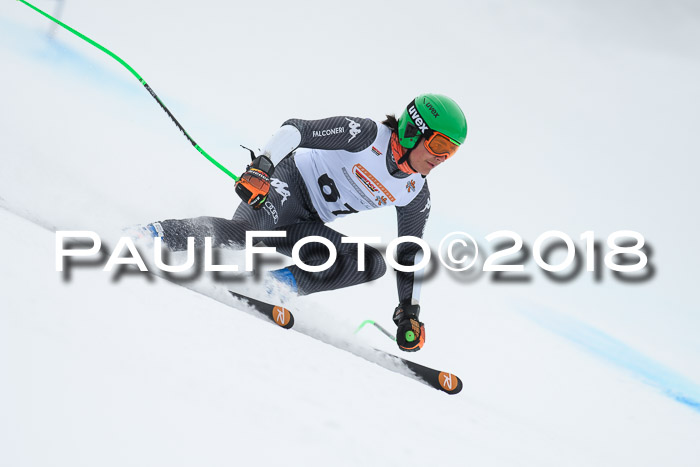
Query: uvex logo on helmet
[
  {"x": 417, "y": 119},
  {"x": 430, "y": 107}
]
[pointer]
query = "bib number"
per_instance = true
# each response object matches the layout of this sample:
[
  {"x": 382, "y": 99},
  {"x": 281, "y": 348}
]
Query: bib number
[{"x": 331, "y": 195}]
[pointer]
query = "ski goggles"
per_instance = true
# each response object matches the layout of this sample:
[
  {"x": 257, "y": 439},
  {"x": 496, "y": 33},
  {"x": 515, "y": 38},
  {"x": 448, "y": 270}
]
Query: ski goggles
[{"x": 438, "y": 144}]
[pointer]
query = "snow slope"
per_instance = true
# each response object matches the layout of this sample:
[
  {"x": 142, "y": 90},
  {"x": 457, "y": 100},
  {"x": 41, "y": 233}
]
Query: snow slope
[{"x": 97, "y": 371}]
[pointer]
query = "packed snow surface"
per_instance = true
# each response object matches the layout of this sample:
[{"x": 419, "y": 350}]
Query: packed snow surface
[{"x": 581, "y": 117}]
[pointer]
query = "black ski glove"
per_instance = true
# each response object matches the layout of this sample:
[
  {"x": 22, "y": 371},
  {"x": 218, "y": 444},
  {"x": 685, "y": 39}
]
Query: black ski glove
[
  {"x": 254, "y": 184},
  {"x": 410, "y": 334}
]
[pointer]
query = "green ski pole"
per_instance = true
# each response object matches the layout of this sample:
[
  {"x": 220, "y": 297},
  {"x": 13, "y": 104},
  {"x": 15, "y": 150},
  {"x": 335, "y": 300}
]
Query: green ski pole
[
  {"x": 141, "y": 80},
  {"x": 376, "y": 325}
]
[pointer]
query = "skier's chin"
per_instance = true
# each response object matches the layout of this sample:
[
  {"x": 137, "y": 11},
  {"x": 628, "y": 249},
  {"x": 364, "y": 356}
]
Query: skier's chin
[{"x": 426, "y": 169}]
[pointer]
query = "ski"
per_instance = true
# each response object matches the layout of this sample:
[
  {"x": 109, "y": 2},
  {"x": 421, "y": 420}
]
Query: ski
[
  {"x": 440, "y": 380},
  {"x": 277, "y": 314}
]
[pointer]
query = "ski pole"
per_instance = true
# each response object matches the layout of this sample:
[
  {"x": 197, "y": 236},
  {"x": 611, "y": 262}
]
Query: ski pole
[
  {"x": 141, "y": 80},
  {"x": 376, "y": 325}
]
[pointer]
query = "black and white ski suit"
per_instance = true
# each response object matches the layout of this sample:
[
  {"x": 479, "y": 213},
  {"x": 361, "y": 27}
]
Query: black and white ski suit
[{"x": 325, "y": 169}]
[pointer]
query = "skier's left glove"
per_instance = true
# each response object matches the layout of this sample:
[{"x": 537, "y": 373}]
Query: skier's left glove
[
  {"x": 254, "y": 184},
  {"x": 410, "y": 334}
]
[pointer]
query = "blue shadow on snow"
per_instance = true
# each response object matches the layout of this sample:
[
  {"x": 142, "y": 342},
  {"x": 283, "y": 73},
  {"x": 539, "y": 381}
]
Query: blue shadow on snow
[
  {"x": 670, "y": 383},
  {"x": 39, "y": 45}
]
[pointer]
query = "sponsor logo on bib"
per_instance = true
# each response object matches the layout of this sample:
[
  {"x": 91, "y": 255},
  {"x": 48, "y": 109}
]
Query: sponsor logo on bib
[{"x": 370, "y": 182}]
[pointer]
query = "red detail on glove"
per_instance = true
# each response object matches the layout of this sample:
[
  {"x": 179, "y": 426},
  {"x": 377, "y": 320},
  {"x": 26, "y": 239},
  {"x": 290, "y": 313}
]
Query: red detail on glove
[{"x": 253, "y": 187}]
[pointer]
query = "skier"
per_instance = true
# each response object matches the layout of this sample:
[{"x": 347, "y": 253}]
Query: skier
[{"x": 313, "y": 171}]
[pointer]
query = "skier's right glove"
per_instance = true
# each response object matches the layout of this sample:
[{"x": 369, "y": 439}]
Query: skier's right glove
[
  {"x": 410, "y": 334},
  {"x": 254, "y": 184}
]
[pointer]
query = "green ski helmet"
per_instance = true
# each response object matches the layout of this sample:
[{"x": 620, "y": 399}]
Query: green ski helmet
[{"x": 428, "y": 113}]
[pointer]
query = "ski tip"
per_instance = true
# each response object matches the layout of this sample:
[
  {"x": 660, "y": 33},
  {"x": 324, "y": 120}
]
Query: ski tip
[
  {"x": 282, "y": 317},
  {"x": 449, "y": 383},
  {"x": 275, "y": 313}
]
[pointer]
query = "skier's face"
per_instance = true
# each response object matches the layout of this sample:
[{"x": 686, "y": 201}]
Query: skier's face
[{"x": 422, "y": 161}]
